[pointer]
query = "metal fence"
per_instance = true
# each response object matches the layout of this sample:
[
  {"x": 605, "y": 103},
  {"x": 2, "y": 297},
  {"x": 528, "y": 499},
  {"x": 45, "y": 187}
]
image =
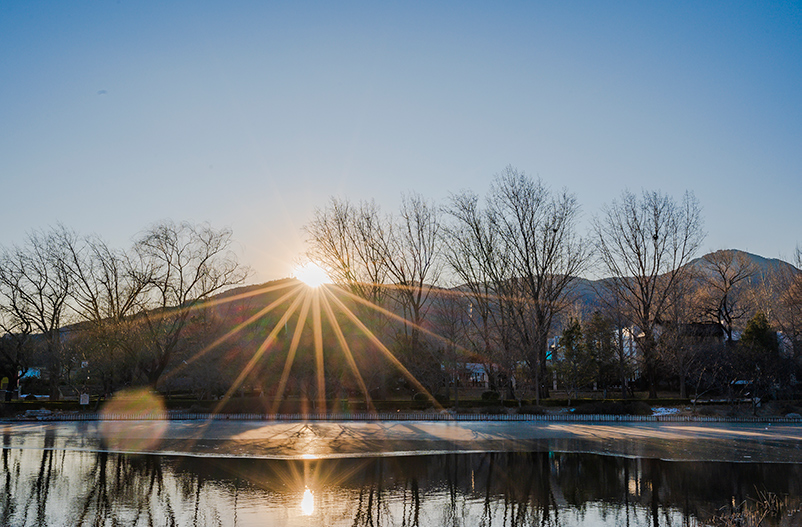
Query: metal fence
[{"x": 406, "y": 416}]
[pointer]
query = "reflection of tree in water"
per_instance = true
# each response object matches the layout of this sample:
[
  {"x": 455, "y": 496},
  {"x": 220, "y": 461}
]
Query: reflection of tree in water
[
  {"x": 116, "y": 485},
  {"x": 490, "y": 489}
]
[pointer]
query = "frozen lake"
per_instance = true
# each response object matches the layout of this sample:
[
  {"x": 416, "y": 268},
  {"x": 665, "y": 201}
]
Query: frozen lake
[
  {"x": 732, "y": 442},
  {"x": 249, "y": 473}
]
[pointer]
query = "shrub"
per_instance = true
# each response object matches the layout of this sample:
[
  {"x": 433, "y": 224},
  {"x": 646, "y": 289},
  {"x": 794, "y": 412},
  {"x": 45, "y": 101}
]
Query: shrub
[
  {"x": 490, "y": 396},
  {"x": 617, "y": 408},
  {"x": 531, "y": 409}
]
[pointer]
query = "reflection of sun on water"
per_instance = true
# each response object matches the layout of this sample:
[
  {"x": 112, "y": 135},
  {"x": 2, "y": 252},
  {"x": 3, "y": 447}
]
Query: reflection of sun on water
[
  {"x": 308, "y": 503},
  {"x": 312, "y": 275}
]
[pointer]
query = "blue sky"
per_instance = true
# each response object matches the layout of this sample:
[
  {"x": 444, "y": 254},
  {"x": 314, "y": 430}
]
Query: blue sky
[{"x": 114, "y": 116}]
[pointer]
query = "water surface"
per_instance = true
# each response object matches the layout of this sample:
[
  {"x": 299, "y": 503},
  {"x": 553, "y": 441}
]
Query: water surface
[{"x": 352, "y": 475}]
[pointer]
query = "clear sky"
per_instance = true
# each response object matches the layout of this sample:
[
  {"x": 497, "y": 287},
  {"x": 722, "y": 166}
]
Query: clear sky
[{"x": 115, "y": 115}]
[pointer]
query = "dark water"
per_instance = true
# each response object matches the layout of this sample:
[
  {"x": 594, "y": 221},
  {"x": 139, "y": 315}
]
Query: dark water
[{"x": 62, "y": 487}]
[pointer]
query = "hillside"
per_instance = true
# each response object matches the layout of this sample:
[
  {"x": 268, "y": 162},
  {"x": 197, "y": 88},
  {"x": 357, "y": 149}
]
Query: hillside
[{"x": 767, "y": 270}]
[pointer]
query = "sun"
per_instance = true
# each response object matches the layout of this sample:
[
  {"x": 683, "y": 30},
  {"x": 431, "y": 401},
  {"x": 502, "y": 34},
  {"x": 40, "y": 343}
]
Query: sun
[{"x": 312, "y": 275}]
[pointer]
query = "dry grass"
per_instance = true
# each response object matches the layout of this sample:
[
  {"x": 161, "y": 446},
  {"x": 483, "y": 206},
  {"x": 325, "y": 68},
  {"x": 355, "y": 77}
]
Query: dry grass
[{"x": 768, "y": 509}]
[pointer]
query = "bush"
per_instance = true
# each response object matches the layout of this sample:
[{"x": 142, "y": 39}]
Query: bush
[
  {"x": 490, "y": 396},
  {"x": 420, "y": 397},
  {"x": 531, "y": 409}
]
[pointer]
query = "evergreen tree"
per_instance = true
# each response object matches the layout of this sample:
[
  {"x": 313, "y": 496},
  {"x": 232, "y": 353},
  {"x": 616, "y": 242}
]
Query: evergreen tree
[{"x": 576, "y": 365}]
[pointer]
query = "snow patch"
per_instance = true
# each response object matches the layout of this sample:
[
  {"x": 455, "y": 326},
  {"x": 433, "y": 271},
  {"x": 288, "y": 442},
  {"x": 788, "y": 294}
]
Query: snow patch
[{"x": 658, "y": 411}]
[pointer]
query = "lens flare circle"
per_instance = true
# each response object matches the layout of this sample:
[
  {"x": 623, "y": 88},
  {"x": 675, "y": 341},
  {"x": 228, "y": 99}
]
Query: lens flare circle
[
  {"x": 312, "y": 275},
  {"x": 133, "y": 421}
]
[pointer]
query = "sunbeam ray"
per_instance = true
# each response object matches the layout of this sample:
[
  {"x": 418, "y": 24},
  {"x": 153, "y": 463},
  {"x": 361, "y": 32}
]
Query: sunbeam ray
[
  {"x": 347, "y": 352},
  {"x": 218, "y": 301},
  {"x": 487, "y": 296},
  {"x": 318, "y": 333},
  {"x": 399, "y": 318},
  {"x": 239, "y": 327},
  {"x": 378, "y": 343},
  {"x": 256, "y": 292},
  {"x": 259, "y": 352},
  {"x": 296, "y": 338}
]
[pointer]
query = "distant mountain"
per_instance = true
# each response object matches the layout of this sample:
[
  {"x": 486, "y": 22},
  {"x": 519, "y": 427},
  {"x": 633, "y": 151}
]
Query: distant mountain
[{"x": 766, "y": 269}]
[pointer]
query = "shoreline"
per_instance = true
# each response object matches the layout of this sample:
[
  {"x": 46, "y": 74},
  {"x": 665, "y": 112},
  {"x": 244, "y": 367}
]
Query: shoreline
[{"x": 442, "y": 416}]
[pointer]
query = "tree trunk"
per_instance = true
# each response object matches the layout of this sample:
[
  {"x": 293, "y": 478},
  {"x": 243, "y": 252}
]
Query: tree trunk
[
  {"x": 54, "y": 393},
  {"x": 622, "y": 363},
  {"x": 650, "y": 377}
]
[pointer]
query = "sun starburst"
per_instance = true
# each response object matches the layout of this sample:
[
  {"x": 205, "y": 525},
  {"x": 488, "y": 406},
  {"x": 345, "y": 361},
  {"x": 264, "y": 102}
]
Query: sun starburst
[{"x": 312, "y": 275}]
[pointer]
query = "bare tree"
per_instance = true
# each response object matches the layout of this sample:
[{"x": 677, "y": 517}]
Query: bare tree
[
  {"x": 615, "y": 311},
  {"x": 378, "y": 259},
  {"x": 788, "y": 312},
  {"x": 34, "y": 285},
  {"x": 451, "y": 324},
  {"x": 412, "y": 253},
  {"x": 723, "y": 276},
  {"x": 643, "y": 244},
  {"x": 538, "y": 233},
  {"x": 110, "y": 288},
  {"x": 476, "y": 257},
  {"x": 16, "y": 348},
  {"x": 109, "y": 284},
  {"x": 347, "y": 240},
  {"x": 190, "y": 263},
  {"x": 682, "y": 336}
]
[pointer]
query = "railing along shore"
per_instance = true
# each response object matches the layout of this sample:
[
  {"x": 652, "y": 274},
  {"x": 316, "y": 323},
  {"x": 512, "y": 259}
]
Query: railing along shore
[{"x": 398, "y": 416}]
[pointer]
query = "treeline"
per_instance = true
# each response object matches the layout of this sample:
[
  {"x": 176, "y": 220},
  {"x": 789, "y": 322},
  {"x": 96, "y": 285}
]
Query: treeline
[
  {"x": 81, "y": 312},
  {"x": 427, "y": 299},
  {"x": 511, "y": 263}
]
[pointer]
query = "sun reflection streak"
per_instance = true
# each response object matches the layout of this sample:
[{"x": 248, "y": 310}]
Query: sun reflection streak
[
  {"x": 308, "y": 503},
  {"x": 378, "y": 343},
  {"x": 347, "y": 352}
]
